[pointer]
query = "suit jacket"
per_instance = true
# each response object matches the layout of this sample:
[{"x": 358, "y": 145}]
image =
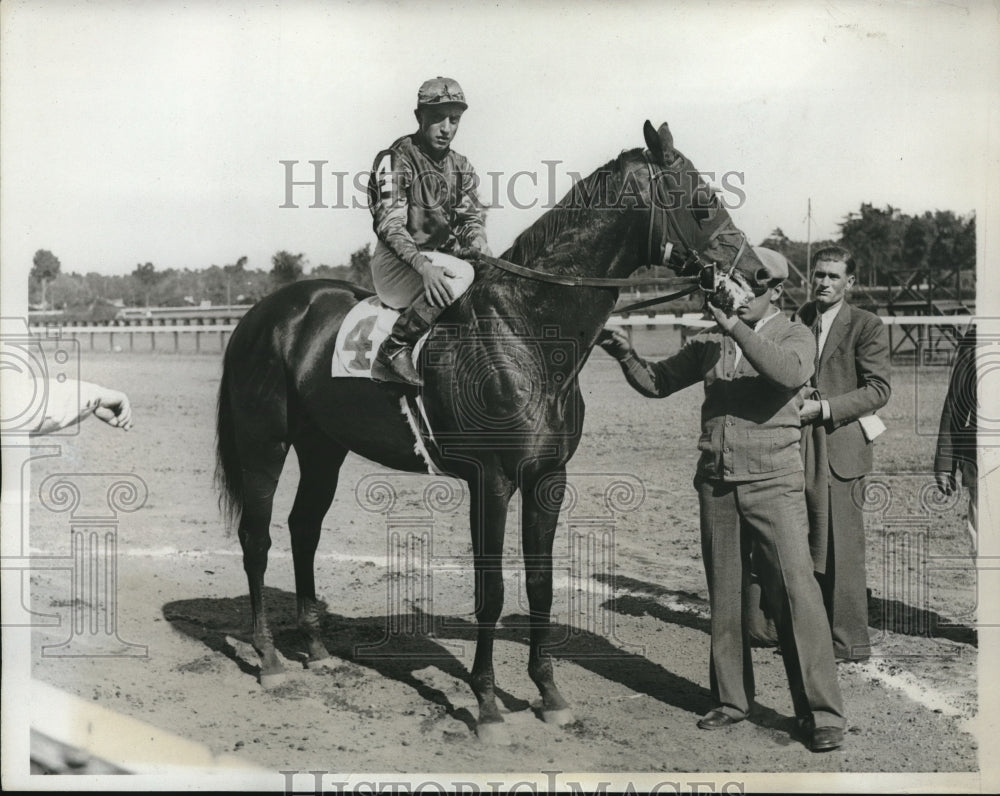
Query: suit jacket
[
  {"x": 852, "y": 375},
  {"x": 956, "y": 444}
]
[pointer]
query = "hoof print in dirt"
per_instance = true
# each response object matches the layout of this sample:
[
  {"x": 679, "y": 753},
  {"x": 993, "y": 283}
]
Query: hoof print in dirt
[
  {"x": 559, "y": 718},
  {"x": 272, "y": 681},
  {"x": 579, "y": 729},
  {"x": 493, "y": 734}
]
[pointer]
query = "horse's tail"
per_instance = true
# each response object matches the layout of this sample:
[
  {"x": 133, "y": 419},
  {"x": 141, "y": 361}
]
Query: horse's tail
[
  {"x": 256, "y": 395},
  {"x": 228, "y": 474}
]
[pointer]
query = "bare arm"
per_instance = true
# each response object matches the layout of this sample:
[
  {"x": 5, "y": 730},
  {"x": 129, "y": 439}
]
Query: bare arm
[{"x": 71, "y": 401}]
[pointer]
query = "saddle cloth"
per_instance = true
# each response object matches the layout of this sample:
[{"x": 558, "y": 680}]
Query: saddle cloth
[
  {"x": 364, "y": 329},
  {"x": 362, "y": 332}
]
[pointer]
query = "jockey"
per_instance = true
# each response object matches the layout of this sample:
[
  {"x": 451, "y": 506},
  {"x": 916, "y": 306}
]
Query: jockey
[{"x": 422, "y": 196}]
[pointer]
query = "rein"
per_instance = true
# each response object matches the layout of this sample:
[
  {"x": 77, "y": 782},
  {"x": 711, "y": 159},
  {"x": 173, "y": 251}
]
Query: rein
[
  {"x": 685, "y": 284},
  {"x": 571, "y": 280}
]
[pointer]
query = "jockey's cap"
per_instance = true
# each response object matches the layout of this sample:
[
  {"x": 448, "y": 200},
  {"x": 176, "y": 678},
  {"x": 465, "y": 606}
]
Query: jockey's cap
[{"x": 441, "y": 91}]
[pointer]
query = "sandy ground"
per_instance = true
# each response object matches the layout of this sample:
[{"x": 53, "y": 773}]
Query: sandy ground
[{"x": 630, "y": 605}]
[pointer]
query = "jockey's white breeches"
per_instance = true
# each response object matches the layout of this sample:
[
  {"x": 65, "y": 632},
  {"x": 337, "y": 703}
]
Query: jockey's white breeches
[{"x": 398, "y": 285}]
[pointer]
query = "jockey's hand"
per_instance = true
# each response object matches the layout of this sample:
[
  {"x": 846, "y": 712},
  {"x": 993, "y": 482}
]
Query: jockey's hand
[
  {"x": 615, "y": 343},
  {"x": 437, "y": 289},
  {"x": 946, "y": 482},
  {"x": 114, "y": 409}
]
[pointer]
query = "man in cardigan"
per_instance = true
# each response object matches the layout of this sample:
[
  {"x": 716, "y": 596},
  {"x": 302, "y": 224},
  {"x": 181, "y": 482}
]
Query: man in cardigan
[
  {"x": 851, "y": 381},
  {"x": 749, "y": 481}
]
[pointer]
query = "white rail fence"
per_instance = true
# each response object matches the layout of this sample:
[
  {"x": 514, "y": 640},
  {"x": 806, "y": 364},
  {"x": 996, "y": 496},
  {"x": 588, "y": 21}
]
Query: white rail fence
[{"x": 917, "y": 328}]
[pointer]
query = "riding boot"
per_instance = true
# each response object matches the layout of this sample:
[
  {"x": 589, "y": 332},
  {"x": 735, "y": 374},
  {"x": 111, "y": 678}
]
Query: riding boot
[{"x": 394, "y": 361}]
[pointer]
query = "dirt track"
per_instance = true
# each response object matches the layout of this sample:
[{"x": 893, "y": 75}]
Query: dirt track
[{"x": 634, "y": 659}]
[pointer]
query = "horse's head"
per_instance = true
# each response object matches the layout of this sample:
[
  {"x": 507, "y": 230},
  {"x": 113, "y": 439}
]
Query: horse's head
[
  {"x": 646, "y": 207},
  {"x": 689, "y": 229}
]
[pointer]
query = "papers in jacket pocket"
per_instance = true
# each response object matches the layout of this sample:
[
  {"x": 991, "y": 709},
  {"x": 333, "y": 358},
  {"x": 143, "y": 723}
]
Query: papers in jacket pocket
[{"x": 872, "y": 426}]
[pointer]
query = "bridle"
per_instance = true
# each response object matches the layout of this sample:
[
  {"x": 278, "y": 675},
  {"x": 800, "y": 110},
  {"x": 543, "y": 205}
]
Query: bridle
[{"x": 705, "y": 278}]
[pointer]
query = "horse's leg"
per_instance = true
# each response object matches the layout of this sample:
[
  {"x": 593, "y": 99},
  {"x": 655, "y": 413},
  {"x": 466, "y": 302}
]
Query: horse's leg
[
  {"x": 259, "y": 484},
  {"x": 489, "y": 500},
  {"x": 540, "y": 513},
  {"x": 319, "y": 466}
]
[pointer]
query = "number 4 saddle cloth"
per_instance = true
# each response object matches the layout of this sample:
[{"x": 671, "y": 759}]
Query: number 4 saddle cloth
[
  {"x": 364, "y": 329},
  {"x": 362, "y": 332}
]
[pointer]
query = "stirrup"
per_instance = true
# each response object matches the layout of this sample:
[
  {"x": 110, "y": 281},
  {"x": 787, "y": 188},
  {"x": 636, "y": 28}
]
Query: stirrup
[{"x": 396, "y": 367}]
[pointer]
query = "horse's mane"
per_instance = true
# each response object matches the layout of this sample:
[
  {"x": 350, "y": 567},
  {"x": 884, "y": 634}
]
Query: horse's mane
[{"x": 570, "y": 213}]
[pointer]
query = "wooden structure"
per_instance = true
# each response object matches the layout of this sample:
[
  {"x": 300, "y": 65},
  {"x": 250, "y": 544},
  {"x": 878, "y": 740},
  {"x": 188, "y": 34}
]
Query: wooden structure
[{"x": 928, "y": 294}]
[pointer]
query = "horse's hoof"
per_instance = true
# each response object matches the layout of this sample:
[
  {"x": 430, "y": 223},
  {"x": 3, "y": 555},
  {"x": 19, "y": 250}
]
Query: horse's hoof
[
  {"x": 271, "y": 679},
  {"x": 493, "y": 733},
  {"x": 560, "y": 717}
]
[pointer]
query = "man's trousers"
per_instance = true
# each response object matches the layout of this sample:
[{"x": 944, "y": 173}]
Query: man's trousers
[
  {"x": 771, "y": 512},
  {"x": 843, "y": 580}
]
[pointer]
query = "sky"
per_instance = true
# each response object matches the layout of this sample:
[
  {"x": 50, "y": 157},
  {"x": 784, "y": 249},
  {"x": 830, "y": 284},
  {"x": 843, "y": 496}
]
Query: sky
[{"x": 154, "y": 132}]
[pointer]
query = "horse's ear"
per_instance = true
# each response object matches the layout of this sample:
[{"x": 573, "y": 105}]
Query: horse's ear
[
  {"x": 653, "y": 142},
  {"x": 660, "y": 142}
]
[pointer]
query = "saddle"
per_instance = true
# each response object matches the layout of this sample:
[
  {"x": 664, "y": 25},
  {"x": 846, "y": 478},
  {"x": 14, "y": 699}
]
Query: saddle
[{"x": 364, "y": 329}]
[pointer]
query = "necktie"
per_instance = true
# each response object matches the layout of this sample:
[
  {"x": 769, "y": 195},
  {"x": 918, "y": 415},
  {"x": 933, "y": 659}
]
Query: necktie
[{"x": 818, "y": 331}]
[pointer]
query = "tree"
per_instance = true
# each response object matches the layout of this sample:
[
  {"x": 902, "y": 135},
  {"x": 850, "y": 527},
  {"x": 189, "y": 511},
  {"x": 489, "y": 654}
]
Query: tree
[
  {"x": 917, "y": 240},
  {"x": 342, "y": 272},
  {"x": 875, "y": 237},
  {"x": 146, "y": 277},
  {"x": 69, "y": 291},
  {"x": 361, "y": 267},
  {"x": 777, "y": 240},
  {"x": 797, "y": 252},
  {"x": 45, "y": 268},
  {"x": 286, "y": 268},
  {"x": 234, "y": 272}
]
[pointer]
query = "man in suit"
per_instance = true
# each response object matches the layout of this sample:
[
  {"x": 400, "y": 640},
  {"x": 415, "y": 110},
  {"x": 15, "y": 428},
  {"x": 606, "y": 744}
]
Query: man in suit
[
  {"x": 956, "y": 445},
  {"x": 851, "y": 382},
  {"x": 749, "y": 481}
]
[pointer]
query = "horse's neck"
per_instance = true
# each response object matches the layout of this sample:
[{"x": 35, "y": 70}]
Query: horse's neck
[
  {"x": 601, "y": 246},
  {"x": 555, "y": 325}
]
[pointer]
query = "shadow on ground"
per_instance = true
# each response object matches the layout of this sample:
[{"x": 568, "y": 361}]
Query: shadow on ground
[
  {"x": 398, "y": 646},
  {"x": 898, "y": 617},
  {"x": 393, "y": 647}
]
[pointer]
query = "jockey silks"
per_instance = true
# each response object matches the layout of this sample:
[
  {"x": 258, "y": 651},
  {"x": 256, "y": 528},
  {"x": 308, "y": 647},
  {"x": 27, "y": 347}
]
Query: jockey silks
[{"x": 421, "y": 203}]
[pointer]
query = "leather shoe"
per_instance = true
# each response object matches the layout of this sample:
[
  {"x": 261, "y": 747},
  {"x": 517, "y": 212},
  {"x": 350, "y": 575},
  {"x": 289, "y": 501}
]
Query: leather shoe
[
  {"x": 717, "y": 719},
  {"x": 824, "y": 739}
]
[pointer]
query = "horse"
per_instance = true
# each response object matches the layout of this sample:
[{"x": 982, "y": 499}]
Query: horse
[{"x": 506, "y": 409}]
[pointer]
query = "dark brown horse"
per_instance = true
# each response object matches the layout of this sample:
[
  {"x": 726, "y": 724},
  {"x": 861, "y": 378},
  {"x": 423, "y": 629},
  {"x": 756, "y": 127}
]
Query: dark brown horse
[{"x": 501, "y": 393}]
